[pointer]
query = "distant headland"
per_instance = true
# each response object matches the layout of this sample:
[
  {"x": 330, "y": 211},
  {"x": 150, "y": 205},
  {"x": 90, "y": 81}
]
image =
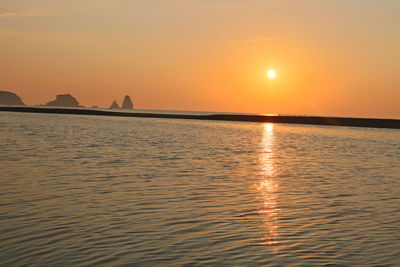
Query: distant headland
[
  {"x": 330, "y": 121},
  {"x": 9, "y": 98},
  {"x": 13, "y": 103}
]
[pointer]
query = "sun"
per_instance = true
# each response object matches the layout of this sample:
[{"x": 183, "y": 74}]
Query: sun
[{"x": 271, "y": 74}]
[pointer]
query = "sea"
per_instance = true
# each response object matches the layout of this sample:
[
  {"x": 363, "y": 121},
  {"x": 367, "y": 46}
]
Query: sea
[{"x": 79, "y": 190}]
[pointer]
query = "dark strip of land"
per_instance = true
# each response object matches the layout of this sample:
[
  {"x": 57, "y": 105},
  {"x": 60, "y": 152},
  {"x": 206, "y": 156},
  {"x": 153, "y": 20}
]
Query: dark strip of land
[{"x": 333, "y": 121}]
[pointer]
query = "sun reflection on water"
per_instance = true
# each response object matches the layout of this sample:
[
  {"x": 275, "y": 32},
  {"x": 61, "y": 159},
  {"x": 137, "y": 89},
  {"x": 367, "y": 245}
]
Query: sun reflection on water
[{"x": 268, "y": 187}]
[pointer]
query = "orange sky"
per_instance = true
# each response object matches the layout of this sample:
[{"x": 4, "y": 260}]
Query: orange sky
[{"x": 332, "y": 57}]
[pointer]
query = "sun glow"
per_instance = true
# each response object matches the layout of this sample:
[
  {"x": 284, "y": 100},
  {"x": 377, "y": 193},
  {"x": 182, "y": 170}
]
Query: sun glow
[{"x": 271, "y": 74}]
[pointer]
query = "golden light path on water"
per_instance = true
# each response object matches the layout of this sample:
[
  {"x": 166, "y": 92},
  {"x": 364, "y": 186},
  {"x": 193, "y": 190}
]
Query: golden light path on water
[{"x": 268, "y": 187}]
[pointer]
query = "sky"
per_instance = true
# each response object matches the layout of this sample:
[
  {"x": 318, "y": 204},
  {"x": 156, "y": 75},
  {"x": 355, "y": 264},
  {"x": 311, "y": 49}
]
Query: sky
[{"x": 331, "y": 57}]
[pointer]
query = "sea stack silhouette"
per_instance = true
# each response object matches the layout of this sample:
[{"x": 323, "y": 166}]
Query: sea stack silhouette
[
  {"x": 127, "y": 103},
  {"x": 114, "y": 105},
  {"x": 65, "y": 100},
  {"x": 9, "y": 98}
]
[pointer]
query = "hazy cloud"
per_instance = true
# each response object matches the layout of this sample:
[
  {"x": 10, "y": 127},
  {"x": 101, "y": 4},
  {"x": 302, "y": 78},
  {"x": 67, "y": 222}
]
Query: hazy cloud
[
  {"x": 107, "y": 3},
  {"x": 243, "y": 42},
  {"x": 21, "y": 13}
]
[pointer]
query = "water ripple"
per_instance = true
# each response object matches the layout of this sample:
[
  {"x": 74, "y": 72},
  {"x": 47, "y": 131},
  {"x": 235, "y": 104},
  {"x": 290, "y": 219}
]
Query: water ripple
[{"x": 80, "y": 190}]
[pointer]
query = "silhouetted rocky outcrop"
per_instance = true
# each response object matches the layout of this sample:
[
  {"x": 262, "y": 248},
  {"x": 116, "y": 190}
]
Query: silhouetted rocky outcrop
[
  {"x": 127, "y": 103},
  {"x": 114, "y": 104},
  {"x": 8, "y": 98},
  {"x": 66, "y": 100}
]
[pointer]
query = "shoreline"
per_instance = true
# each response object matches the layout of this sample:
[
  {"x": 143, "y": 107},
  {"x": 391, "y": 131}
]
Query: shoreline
[{"x": 309, "y": 120}]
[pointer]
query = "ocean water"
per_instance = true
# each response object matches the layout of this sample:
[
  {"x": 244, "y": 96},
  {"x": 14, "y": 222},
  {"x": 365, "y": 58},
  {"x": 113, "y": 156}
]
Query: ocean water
[{"x": 91, "y": 190}]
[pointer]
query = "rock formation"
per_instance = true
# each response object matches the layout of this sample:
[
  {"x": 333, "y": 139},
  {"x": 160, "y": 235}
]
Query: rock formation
[
  {"x": 66, "y": 100},
  {"x": 8, "y": 98},
  {"x": 127, "y": 103},
  {"x": 114, "y": 104}
]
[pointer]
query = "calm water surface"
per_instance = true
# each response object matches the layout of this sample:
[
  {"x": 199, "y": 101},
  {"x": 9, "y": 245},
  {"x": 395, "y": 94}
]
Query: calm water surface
[{"x": 87, "y": 190}]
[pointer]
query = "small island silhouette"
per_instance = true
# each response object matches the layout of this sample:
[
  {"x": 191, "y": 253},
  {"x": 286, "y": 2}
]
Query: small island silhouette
[
  {"x": 65, "y": 100},
  {"x": 114, "y": 105},
  {"x": 126, "y": 103}
]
